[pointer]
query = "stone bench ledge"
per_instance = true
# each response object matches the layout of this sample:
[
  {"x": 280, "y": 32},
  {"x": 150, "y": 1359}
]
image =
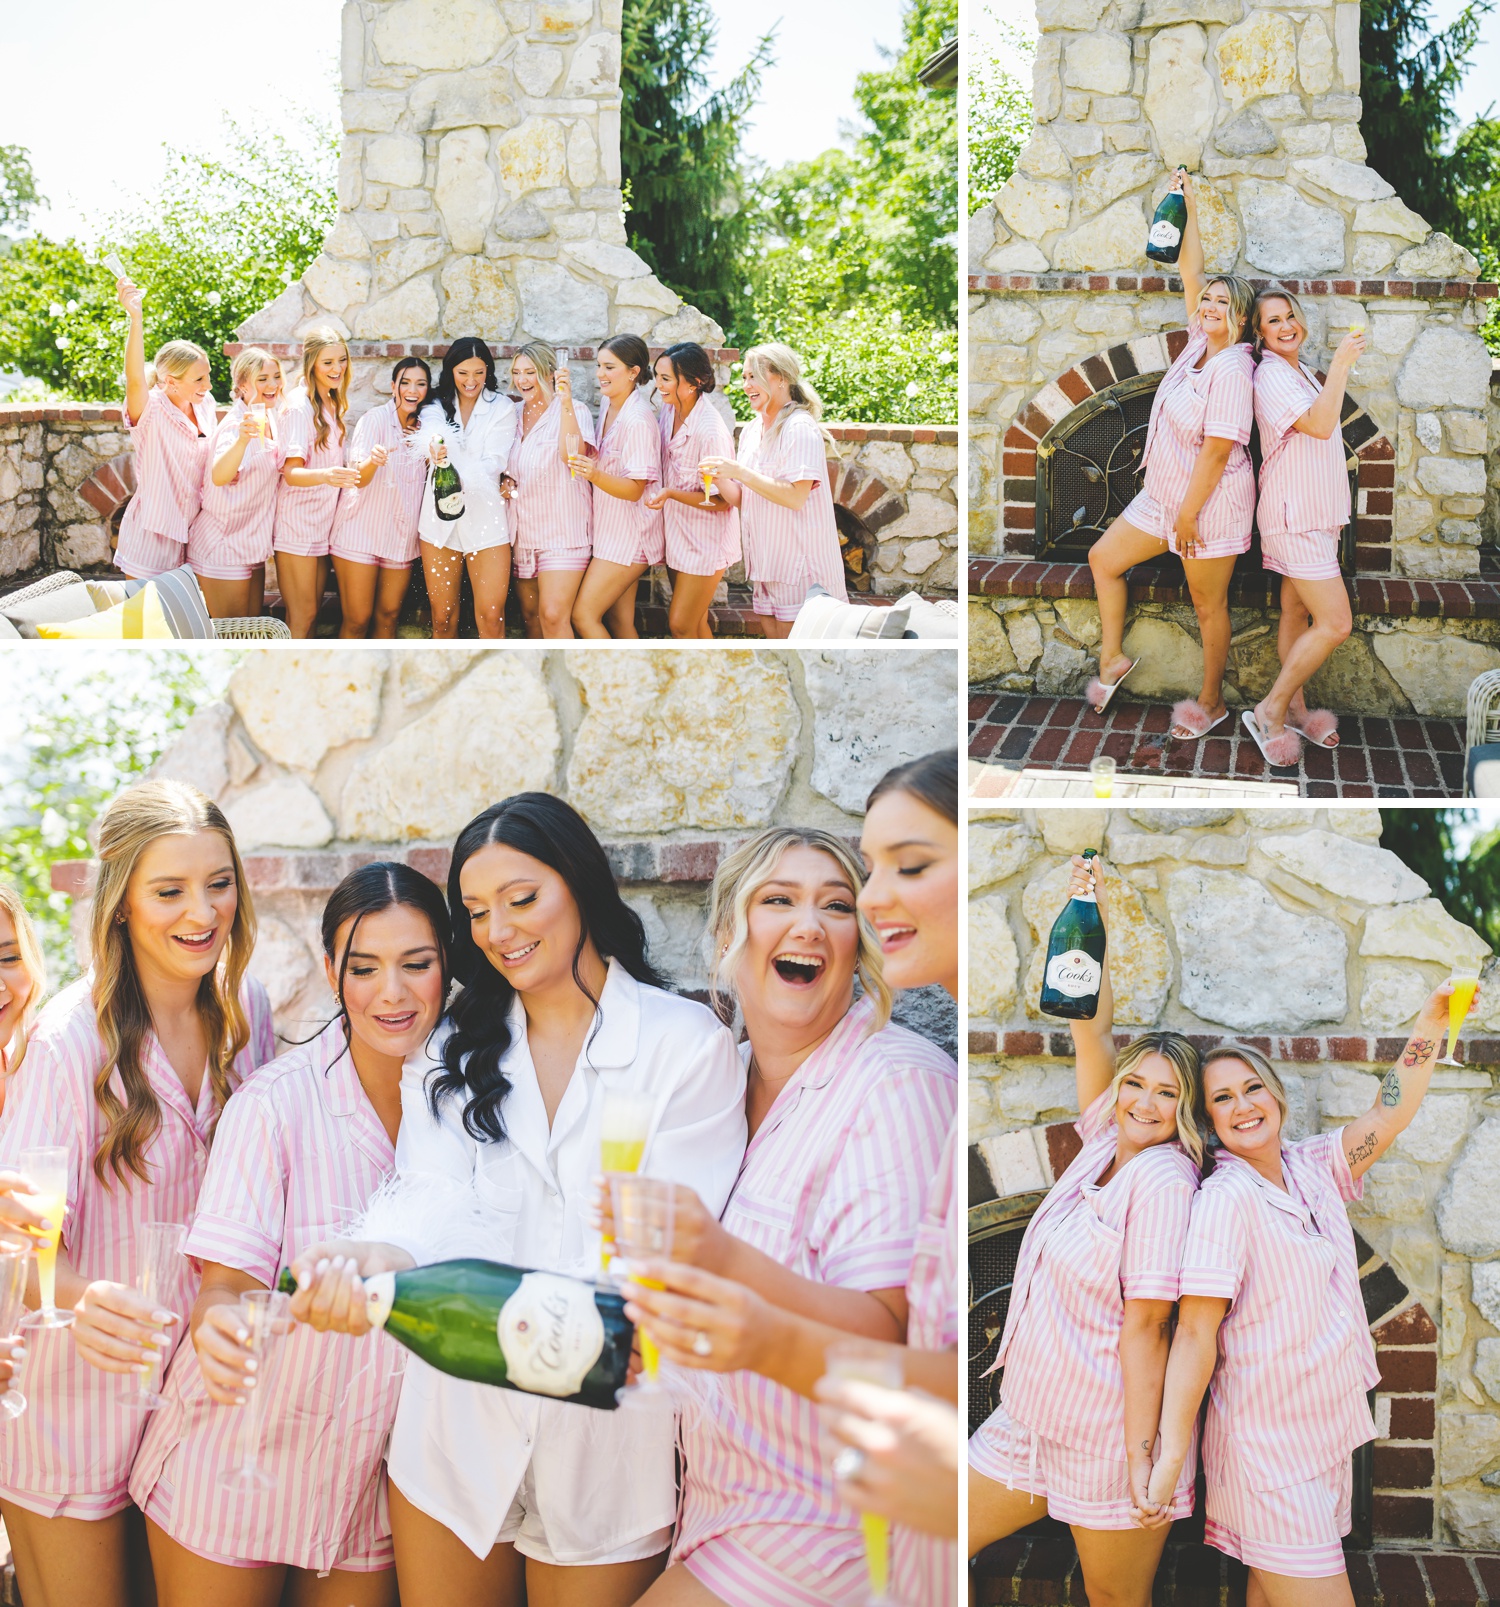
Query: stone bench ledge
[
  {"x": 1045, "y": 1042},
  {"x": 1147, "y": 284}
]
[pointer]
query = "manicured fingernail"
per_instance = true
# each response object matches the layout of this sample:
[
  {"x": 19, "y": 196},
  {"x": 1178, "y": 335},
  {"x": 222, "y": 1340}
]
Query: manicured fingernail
[
  {"x": 161, "y": 1340},
  {"x": 251, "y": 1365},
  {"x": 164, "y": 1316},
  {"x": 241, "y": 1335}
]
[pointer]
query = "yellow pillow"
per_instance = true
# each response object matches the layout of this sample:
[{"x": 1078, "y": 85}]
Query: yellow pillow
[{"x": 137, "y": 618}]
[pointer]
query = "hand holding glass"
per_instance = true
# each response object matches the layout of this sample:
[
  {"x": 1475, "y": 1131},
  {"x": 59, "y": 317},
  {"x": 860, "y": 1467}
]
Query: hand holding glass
[
  {"x": 159, "y": 1251},
  {"x": 47, "y": 1171},
  {"x": 266, "y": 1316},
  {"x": 869, "y": 1362},
  {"x": 15, "y": 1268},
  {"x": 624, "y": 1121},
  {"x": 1465, "y": 980},
  {"x": 644, "y": 1208}
]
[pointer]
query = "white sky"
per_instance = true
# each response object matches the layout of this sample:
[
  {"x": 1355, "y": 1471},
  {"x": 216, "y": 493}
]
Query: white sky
[{"x": 97, "y": 131}]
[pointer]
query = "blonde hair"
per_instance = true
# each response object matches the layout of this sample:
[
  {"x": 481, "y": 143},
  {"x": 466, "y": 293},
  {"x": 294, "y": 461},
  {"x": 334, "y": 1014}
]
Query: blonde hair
[
  {"x": 1174, "y": 1047},
  {"x": 137, "y": 818},
  {"x": 173, "y": 360},
  {"x": 1298, "y": 316},
  {"x": 541, "y": 357},
  {"x": 760, "y": 362},
  {"x": 1231, "y": 1049},
  {"x": 32, "y": 962},
  {"x": 1241, "y": 300},
  {"x": 314, "y": 343},
  {"x": 740, "y": 877},
  {"x": 244, "y": 369}
]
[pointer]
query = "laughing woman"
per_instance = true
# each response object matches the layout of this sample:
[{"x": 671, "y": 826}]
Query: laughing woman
[
  {"x": 1304, "y": 504},
  {"x": 127, "y": 1071},
  {"x": 1272, "y": 1324},
  {"x": 304, "y": 1144},
  {"x": 628, "y": 535},
  {"x": 23, "y": 980},
  {"x": 1198, "y": 498},
  {"x": 498, "y": 1497},
  {"x": 1085, "y": 1342}
]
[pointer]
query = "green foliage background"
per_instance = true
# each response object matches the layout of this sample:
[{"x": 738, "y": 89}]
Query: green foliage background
[
  {"x": 999, "y": 111},
  {"x": 1465, "y": 880}
]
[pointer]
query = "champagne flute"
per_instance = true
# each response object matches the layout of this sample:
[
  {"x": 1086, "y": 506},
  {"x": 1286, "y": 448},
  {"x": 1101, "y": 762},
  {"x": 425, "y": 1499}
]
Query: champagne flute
[
  {"x": 159, "y": 1248},
  {"x": 644, "y": 1208},
  {"x": 15, "y": 1267},
  {"x": 624, "y": 1121},
  {"x": 258, "y": 413},
  {"x": 866, "y": 1361},
  {"x": 708, "y": 488},
  {"x": 1465, "y": 980},
  {"x": 46, "y": 1168},
  {"x": 265, "y": 1314}
]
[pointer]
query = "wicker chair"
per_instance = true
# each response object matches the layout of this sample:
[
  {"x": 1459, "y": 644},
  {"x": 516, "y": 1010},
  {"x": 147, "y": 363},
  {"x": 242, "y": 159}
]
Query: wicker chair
[
  {"x": 1483, "y": 709},
  {"x": 40, "y": 588},
  {"x": 260, "y": 628}
]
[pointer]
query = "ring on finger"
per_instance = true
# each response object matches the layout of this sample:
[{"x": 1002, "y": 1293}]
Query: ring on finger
[
  {"x": 849, "y": 1464},
  {"x": 702, "y": 1344}
]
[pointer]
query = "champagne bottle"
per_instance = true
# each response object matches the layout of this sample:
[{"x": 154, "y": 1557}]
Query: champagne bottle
[
  {"x": 1075, "y": 959},
  {"x": 538, "y": 1332},
  {"x": 1165, "y": 238},
  {"x": 447, "y": 490}
]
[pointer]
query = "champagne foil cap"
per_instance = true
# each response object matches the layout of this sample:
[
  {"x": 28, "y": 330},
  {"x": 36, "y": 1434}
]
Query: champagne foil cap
[{"x": 380, "y": 1292}]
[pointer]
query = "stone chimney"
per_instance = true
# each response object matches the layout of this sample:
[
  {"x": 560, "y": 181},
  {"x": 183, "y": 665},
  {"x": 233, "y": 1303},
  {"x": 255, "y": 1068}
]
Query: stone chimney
[{"x": 479, "y": 189}]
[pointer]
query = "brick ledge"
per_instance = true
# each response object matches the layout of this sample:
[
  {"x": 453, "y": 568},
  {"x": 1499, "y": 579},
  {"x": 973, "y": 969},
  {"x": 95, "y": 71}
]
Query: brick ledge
[
  {"x": 1146, "y": 284},
  {"x": 1305, "y": 1048}
]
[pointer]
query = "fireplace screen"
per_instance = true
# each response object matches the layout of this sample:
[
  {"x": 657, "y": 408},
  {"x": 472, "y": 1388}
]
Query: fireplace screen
[{"x": 1089, "y": 467}]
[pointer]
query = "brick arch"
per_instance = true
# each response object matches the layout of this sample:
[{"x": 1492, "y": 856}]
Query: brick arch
[
  {"x": 1367, "y": 443},
  {"x": 1033, "y": 1158},
  {"x": 863, "y": 504},
  {"x": 110, "y": 486}
]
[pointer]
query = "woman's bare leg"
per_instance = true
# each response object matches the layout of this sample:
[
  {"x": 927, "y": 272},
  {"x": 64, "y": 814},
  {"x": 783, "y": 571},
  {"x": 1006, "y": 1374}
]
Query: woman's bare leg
[
  {"x": 69, "y": 1562},
  {"x": 597, "y": 612},
  {"x": 692, "y": 598},
  {"x": 776, "y": 630},
  {"x": 615, "y": 1584},
  {"x": 1208, "y": 582},
  {"x": 443, "y": 568},
  {"x": 390, "y": 594},
  {"x": 678, "y": 1588},
  {"x": 1325, "y": 604},
  {"x": 996, "y": 1511},
  {"x": 1119, "y": 1565},
  {"x": 184, "y": 1579},
  {"x": 434, "y": 1568},
  {"x": 489, "y": 575},
  {"x": 531, "y": 606},
  {"x": 228, "y": 599},
  {"x": 341, "y": 1588},
  {"x": 620, "y": 619},
  {"x": 1280, "y": 1590},
  {"x": 303, "y": 581},
  {"x": 1119, "y": 549},
  {"x": 357, "y": 583}
]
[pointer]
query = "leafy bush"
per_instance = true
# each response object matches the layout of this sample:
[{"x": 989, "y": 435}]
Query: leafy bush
[
  {"x": 219, "y": 240},
  {"x": 999, "y": 110}
]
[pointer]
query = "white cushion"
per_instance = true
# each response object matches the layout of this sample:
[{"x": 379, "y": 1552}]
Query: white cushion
[
  {"x": 51, "y": 608},
  {"x": 937, "y": 622},
  {"x": 825, "y": 619}
]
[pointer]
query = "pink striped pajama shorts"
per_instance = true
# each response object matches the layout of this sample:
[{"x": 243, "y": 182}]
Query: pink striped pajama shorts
[
  {"x": 1304, "y": 555},
  {"x": 1297, "y": 1531}
]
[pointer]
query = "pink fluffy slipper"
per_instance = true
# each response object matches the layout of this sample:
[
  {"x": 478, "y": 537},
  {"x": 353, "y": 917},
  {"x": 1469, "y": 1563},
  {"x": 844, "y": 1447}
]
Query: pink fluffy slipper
[
  {"x": 1319, "y": 726},
  {"x": 1194, "y": 719},
  {"x": 1281, "y": 751}
]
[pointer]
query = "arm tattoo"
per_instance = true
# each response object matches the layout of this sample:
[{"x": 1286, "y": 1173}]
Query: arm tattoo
[
  {"x": 1418, "y": 1050},
  {"x": 1390, "y": 1089},
  {"x": 1363, "y": 1150}
]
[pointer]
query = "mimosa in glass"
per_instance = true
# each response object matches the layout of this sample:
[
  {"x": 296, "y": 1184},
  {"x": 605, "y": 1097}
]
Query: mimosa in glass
[
  {"x": 866, "y": 1361},
  {"x": 1465, "y": 980},
  {"x": 644, "y": 1209},
  {"x": 708, "y": 488},
  {"x": 46, "y": 1169},
  {"x": 624, "y": 1122}
]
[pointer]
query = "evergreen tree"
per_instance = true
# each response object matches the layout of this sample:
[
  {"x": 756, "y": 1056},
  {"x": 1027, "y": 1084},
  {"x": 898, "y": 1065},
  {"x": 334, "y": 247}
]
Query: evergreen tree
[
  {"x": 1459, "y": 863},
  {"x": 680, "y": 151},
  {"x": 18, "y": 191}
]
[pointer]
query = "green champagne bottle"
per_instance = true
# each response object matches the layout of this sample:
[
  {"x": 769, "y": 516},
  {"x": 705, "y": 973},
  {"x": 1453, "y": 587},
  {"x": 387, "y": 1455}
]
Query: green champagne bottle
[
  {"x": 447, "y": 490},
  {"x": 1164, "y": 240},
  {"x": 538, "y": 1332},
  {"x": 1075, "y": 959}
]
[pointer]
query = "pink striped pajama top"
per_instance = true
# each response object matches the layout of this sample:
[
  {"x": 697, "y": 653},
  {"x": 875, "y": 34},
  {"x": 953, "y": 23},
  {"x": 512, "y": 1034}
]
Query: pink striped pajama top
[
  {"x": 1287, "y": 1399},
  {"x": 924, "y": 1567},
  {"x": 169, "y": 451},
  {"x": 553, "y": 509},
  {"x": 1086, "y": 1252},
  {"x": 232, "y": 533},
  {"x": 305, "y": 515},
  {"x": 629, "y": 533},
  {"x": 787, "y": 551},
  {"x": 697, "y": 541},
  {"x": 377, "y": 524},
  {"x": 69, "y": 1453},
  {"x": 1304, "y": 482},
  {"x": 832, "y": 1186},
  {"x": 1190, "y": 405},
  {"x": 298, "y": 1153}
]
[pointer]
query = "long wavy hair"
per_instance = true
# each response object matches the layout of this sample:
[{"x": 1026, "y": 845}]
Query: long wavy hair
[
  {"x": 137, "y": 818},
  {"x": 446, "y": 389},
  {"x": 554, "y": 833},
  {"x": 314, "y": 343},
  {"x": 761, "y": 362},
  {"x": 32, "y": 963},
  {"x": 743, "y": 873}
]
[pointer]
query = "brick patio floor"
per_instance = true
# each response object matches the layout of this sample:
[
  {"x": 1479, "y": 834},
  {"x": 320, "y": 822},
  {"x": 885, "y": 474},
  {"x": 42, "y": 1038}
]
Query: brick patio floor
[{"x": 1376, "y": 758}]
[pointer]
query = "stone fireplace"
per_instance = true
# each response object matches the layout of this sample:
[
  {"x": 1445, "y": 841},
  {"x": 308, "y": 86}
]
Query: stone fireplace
[{"x": 1261, "y": 103}]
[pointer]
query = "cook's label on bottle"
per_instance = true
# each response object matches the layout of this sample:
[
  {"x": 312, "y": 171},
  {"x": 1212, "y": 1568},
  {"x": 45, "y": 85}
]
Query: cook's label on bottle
[
  {"x": 551, "y": 1333},
  {"x": 452, "y": 504},
  {"x": 1164, "y": 233},
  {"x": 1074, "y": 973}
]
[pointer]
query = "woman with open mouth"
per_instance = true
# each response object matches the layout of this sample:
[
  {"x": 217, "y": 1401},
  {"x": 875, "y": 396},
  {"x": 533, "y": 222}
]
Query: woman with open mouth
[
  {"x": 1198, "y": 496},
  {"x": 496, "y": 1494},
  {"x": 1272, "y": 1325},
  {"x": 23, "y": 981},
  {"x": 847, "y": 1114},
  {"x": 305, "y": 1143},
  {"x": 127, "y": 1071},
  {"x": 1086, "y": 1338},
  {"x": 1303, "y": 505}
]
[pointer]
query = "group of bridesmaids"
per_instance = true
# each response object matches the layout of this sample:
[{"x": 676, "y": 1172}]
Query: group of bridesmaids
[
  {"x": 453, "y": 1104},
  {"x": 575, "y": 509},
  {"x": 1188, "y": 1199},
  {"x": 1242, "y": 366}
]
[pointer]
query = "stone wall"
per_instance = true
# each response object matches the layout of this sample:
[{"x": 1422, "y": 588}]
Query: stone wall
[
  {"x": 65, "y": 472},
  {"x": 1295, "y": 930},
  {"x": 324, "y": 757}
]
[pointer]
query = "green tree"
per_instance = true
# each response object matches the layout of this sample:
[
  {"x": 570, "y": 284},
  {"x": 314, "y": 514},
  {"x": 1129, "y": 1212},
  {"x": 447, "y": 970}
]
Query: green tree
[
  {"x": 221, "y": 238},
  {"x": 84, "y": 734},
  {"x": 680, "y": 160},
  {"x": 1000, "y": 117},
  {"x": 1460, "y": 864},
  {"x": 18, "y": 191}
]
